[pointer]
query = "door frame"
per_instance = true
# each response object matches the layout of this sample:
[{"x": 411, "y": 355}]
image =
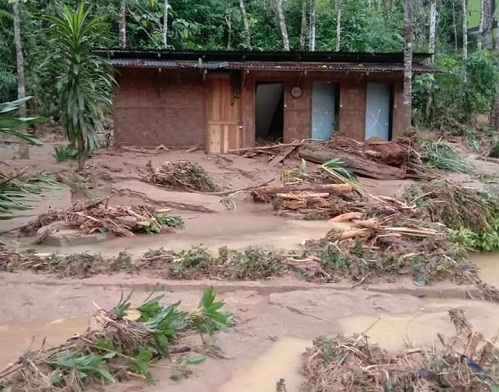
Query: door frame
[{"x": 337, "y": 103}]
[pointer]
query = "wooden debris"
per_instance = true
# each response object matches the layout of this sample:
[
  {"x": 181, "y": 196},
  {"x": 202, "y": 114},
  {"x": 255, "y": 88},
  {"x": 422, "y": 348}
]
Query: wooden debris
[
  {"x": 354, "y": 163},
  {"x": 349, "y": 216},
  {"x": 334, "y": 189}
]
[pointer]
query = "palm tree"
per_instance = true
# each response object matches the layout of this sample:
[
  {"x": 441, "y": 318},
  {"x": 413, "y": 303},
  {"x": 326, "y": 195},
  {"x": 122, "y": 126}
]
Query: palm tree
[{"x": 85, "y": 78}]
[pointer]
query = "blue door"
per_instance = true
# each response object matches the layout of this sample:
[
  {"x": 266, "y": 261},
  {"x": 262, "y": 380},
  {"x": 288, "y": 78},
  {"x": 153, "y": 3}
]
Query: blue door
[
  {"x": 323, "y": 110},
  {"x": 378, "y": 101}
]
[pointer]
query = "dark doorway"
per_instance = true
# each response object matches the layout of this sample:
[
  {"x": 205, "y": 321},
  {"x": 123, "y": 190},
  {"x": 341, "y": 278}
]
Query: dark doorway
[{"x": 269, "y": 111}]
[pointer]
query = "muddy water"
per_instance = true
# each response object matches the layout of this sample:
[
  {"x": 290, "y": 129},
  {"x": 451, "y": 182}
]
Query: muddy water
[
  {"x": 396, "y": 332},
  {"x": 489, "y": 266},
  {"x": 16, "y": 338},
  {"x": 282, "y": 360}
]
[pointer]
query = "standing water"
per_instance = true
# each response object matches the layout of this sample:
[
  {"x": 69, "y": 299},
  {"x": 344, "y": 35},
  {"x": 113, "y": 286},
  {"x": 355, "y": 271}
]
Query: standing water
[{"x": 281, "y": 361}]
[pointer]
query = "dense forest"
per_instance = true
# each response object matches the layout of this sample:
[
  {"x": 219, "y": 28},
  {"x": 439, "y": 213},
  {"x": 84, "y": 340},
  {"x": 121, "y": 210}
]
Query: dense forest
[{"x": 449, "y": 100}]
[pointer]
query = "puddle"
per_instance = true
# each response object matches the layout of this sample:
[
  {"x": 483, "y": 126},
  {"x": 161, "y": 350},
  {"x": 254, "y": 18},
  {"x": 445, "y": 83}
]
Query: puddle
[
  {"x": 396, "y": 332},
  {"x": 16, "y": 338},
  {"x": 489, "y": 266},
  {"x": 282, "y": 360}
]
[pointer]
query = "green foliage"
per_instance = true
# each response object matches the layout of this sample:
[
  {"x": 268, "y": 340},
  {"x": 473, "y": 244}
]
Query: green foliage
[
  {"x": 494, "y": 151},
  {"x": 9, "y": 122},
  {"x": 86, "y": 366},
  {"x": 442, "y": 156},
  {"x": 65, "y": 153},
  {"x": 335, "y": 167},
  {"x": 448, "y": 100},
  {"x": 17, "y": 191},
  {"x": 85, "y": 79},
  {"x": 208, "y": 319}
]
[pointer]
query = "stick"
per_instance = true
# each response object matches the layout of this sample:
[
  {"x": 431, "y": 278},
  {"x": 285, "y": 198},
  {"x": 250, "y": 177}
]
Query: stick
[
  {"x": 346, "y": 217},
  {"x": 360, "y": 337},
  {"x": 223, "y": 193},
  {"x": 265, "y": 148}
]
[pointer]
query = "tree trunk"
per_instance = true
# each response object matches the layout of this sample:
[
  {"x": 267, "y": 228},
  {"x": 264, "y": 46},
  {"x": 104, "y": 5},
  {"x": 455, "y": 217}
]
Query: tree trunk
[
  {"x": 334, "y": 189},
  {"x": 454, "y": 24},
  {"x": 303, "y": 31},
  {"x": 123, "y": 24},
  {"x": 313, "y": 14},
  {"x": 358, "y": 165},
  {"x": 247, "y": 36},
  {"x": 21, "y": 87},
  {"x": 487, "y": 23},
  {"x": 282, "y": 25},
  {"x": 465, "y": 30},
  {"x": 408, "y": 63},
  {"x": 433, "y": 28},
  {"x": 338, "y": 24},
  {"x": 431, "y": 49},
  {"x": 480, "y": 26},
  {"x": 165, "y": 25}
]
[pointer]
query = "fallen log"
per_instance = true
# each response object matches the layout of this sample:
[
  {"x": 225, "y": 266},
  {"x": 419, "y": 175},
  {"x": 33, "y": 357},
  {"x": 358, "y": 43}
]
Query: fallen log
[
  {"x": 347, "y": 217},
  {"x": 301, "y": 196},
  {"x": 334, "y": 189},
  {"x": 356, "y": 164}
]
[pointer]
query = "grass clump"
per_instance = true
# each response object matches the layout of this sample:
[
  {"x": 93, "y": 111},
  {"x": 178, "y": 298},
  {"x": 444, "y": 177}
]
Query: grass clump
[
  {"x": 121, "y": 348},
  {"x": 183, "y": 175},
  {"x": 494, "y": 151},
  {"x": 442, "y": 156},
  {"x": 65, "y": 153}
]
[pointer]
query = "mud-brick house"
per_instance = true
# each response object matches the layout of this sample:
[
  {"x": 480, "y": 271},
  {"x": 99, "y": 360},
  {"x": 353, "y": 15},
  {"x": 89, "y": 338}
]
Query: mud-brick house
[{"x": 228, "y": 100}]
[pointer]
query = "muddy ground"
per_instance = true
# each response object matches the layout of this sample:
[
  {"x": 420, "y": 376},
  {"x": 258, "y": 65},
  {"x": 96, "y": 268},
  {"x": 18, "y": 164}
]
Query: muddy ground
[{"x": 276, "y": 319}]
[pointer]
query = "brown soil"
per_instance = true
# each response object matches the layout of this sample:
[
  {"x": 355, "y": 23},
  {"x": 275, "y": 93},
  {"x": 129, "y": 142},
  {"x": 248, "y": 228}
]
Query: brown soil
[{"x": 293, "y": 313}]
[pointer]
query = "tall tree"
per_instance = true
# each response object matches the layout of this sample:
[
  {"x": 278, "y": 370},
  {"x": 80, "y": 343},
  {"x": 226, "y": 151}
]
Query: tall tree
[
  {"x": 283, "y": 26},
  {"x": 165, "y": 25},
  {"x": 480, "y": 26},
  {"x": 433, "y": 28},
  {"x": 313, "y": 17},
  {"x": 339, "y": 8},
  {"x": 21, "y": 82},
  {"x": 122, "y": 25},
  {"x": 408, "y": 36},
  {"x": 246, "y": 31},
  {"x": 487, "y": 23},
  {"x": 465, "y": 30},
  {"x": 303, "y": 29}
]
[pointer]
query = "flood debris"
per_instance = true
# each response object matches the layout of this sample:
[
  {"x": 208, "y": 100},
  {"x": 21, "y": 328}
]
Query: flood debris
[
  {"x": 181, "y": 175},
  {"x": 464, "y": 362},
  {"x": 122, "y": 348},
  {"x": 98, "y": 217}
]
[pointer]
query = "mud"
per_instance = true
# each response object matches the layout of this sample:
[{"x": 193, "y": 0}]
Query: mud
[{"x": 489, "y": 267}]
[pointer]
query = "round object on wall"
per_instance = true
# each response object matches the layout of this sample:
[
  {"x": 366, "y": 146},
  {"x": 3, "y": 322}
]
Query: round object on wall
[{"x": 296, "y": 92}]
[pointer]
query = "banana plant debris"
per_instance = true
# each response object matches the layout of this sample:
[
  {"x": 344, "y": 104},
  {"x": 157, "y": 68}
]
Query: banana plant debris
[
  {"x": 98, "y": 216},
  {"x": 181, "y": 175},
  {"x": 123, "y": 348},
  {"x": 464, "y": 362}
]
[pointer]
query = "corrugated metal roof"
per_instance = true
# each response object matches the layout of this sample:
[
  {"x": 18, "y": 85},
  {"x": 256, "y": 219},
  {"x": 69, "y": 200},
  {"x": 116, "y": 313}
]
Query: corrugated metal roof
[
  {"x": 265, "y": 56},
  {"x": 270, "y": 65}
]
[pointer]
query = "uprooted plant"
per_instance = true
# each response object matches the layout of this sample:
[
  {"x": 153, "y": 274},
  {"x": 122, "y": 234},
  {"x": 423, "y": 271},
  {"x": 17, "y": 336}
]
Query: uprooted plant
[
  {"x": 463, "y": 362},
  {"x": 183, "y": 175},
  {"x": 121, "y": 349},
  {"x": 97, "y": 216},
  {"x": 471, "y": 215}
]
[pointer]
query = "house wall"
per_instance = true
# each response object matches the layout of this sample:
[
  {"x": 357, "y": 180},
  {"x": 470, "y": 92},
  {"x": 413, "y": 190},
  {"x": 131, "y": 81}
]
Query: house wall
[
  {"x": 153, "y": 107},
  {"x": 169, "y": 107}
]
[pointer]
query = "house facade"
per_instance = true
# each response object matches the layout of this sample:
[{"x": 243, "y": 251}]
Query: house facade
[{"x": 230, "y": 100}]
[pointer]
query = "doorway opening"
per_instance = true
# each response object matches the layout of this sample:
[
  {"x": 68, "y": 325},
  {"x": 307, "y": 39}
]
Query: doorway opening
[
  {"x": 269, "y": 111},
  {"x": 325, "y": 110}
]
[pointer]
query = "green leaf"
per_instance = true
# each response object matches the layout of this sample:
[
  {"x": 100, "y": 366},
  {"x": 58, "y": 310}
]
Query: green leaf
[{"x": 195, "y": 360}]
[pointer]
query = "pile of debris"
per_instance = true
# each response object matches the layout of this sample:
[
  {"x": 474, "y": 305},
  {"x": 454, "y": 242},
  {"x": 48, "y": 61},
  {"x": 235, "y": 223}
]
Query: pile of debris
[
  {"x": 181, "y": 175},
  {"x": 308, "y": 200},
  {"x": 374, "y": 158},
  {"x": 99, "y": 217},
  {"x": 464, "y": 362},
  {"x": 123, "y": 348}
]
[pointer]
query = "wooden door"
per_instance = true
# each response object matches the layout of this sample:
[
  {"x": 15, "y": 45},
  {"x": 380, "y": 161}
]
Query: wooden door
[{"x": 223, "y": 114}]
